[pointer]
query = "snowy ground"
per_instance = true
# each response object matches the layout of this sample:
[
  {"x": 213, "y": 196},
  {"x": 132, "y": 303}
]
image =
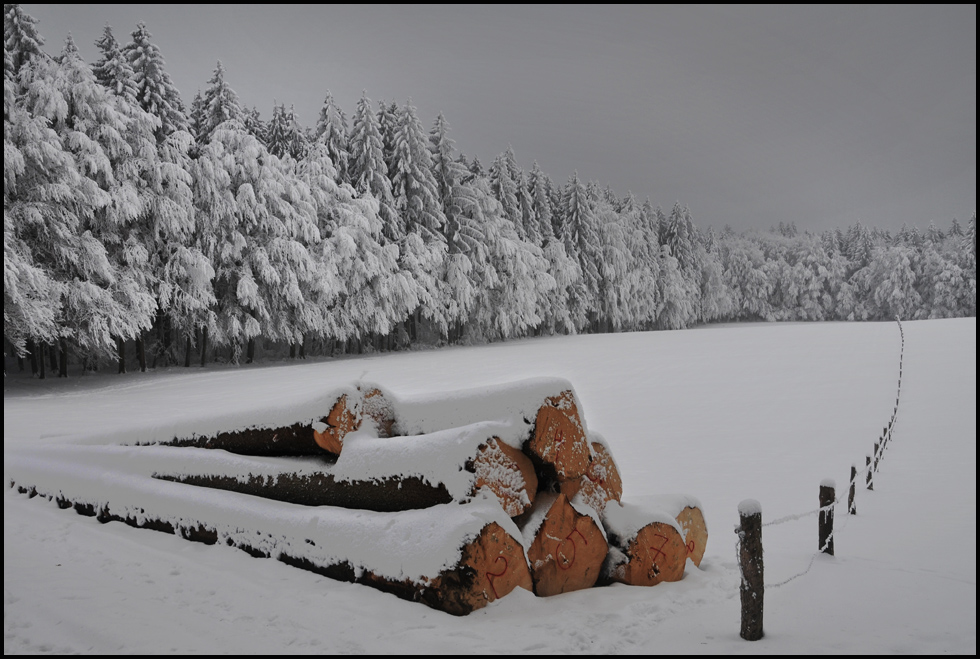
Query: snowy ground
[{"x": 722, "y": 413}]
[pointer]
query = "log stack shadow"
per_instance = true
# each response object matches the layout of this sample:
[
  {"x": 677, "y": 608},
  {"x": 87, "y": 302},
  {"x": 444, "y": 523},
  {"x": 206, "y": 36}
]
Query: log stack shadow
[{"x": 523, "y": 450}]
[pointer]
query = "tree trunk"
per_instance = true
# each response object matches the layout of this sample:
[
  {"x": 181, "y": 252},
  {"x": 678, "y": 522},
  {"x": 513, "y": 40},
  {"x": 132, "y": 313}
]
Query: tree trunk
[
  {"x": 204, "y": 346},
  {"x": 187, "y": 352},
  {"x": 292, "y": 351},
  {"x": 53, "y": 354},
  {"x": 121, "y": 351},
  {"x": 141, "y": 351},
  {"x": 40, "y": 360},
  {"x": 485, "y": 460},
  {"x": 63, "y": 359},
  {"x": 302, "y": 347},
  {"x": 250, "y": 354},
  {"x": 491, "y": 564},
  {"x": 568, "y": 549},
  {"x": 32, "y": 349}
]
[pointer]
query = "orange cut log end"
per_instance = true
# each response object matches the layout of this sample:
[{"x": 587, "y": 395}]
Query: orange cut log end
[
  {"x": 508, "y": 473},
  {"x": 340, "y": 421},
  {"x": 492, "y": 565},
  {"x": 567, "y": 552},
  {"x": 656, "y": 554},
  {"x": 559, "y": 437},
  {"x": 691, "y": 519},
  {"x": 601, "y": 482}
]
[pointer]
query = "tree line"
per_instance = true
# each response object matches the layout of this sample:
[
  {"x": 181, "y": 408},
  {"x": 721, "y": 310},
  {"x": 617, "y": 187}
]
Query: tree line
[{"x": 138, "y": 230}]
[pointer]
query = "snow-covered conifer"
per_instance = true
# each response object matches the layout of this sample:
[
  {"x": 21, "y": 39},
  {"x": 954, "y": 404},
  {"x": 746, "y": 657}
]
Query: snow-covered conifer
[
  {"x": 331, "y": 130},
  {"x": 220, "y": 104},
  {"x": 113, "y": 70},
  {"x": 155, "y": 91},
  {"x": 368, "y": 169}
]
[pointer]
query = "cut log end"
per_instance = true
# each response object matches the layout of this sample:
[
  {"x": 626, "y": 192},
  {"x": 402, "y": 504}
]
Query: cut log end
[
  {"x": 691, "y": 519},
  {"x": 601, "y": 482},
  {"x": 559, "y": 438},
  {"x": 492, "y": 565},
  {"x": 340, "y": 421},
  {"x": 656, "y": 554},
  {"x": 376, "y": 407},
  {"x": 508, "y": 473},
  {"x": 567, "y": 552}
]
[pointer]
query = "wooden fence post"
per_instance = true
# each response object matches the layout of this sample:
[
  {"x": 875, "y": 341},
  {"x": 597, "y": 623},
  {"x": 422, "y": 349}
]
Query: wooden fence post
[
  {"x": 871, "y": 484},
  {"x": 750, "y": 564},
  {"x": 877, "y": 455},
  {"x": 851, "y": 506},
  {"x": 825, "y": 526}
]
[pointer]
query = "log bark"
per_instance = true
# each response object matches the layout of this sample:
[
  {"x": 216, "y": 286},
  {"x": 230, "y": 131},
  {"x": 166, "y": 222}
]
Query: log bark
[
  {"x": 384, "y": 495},
  {"x": 567, "y": 550},
  {"x": 558, "y": 443},
  {"x": 492, "y": 465},
  {"x": 601, "y": 482},
  {"x": 295, "y": 440}
]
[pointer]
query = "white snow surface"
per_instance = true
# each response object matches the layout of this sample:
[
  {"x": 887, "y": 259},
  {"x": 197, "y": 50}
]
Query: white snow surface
[{"x": 722, "y": 413}]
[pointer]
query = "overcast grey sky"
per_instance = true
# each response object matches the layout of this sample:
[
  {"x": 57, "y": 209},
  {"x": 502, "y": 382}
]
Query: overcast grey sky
[{"x": 822, "y": 116}]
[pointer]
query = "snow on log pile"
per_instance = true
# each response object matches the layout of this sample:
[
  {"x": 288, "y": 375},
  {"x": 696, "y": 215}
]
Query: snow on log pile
[{"x": 451, "y": 499}]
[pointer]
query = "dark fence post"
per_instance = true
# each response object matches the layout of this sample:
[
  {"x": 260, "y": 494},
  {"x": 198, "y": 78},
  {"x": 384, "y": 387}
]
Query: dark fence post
[
  {"x": 851, "y": 506},
  {"x": 877, "y": 454},
  {"x": 871, "y": 484},
  {"x": 825, "y": 526},
  {"x": 750, "y": 565}
]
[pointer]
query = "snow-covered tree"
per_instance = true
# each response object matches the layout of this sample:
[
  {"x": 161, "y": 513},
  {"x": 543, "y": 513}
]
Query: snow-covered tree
[
  {"x": 368, "y": 169},
  {"x": 155, "y": 91},
  {"x": 20, "y": 37},
  {"x": 219, "y": 104},
  {"x": 331, "y": 130},
  {"x": 113, "y": 70}
]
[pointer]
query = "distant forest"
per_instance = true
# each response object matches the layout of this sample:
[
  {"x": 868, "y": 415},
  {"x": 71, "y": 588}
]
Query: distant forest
[{"x": 141, "y": 233}]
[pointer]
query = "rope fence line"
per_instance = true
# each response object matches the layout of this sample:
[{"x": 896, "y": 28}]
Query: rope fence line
[{"x": 748, "y": 545}]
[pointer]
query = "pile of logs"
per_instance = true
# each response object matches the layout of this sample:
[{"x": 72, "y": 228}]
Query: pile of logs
[
  {"x": 505, "y": 486},
  {"x": 524, "y": 445}
]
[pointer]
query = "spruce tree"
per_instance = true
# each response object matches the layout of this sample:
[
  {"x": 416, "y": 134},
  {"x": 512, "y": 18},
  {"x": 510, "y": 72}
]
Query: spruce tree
[
  {"x": 331, "y": 131},
  {"x": 219, "y": 104},
  {"x": 113, "y": 69},
  {"x": 155, "y": 91},
  {"x": 20, "y": 37},
  {"x": 368, "y": 169}
]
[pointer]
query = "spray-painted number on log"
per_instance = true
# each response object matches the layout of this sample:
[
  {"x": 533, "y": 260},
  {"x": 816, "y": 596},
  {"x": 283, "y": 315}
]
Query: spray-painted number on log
[
  {"x": 658, "y": 551},
  {"x": 563, "y": 561},
  {"x": 491, "y": 575}
]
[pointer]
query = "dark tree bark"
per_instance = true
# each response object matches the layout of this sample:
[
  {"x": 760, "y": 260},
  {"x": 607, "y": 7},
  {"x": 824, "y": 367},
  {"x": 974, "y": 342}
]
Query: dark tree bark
[
  {"x": 141, "y": 351},
  {"x": 63, "y": 359},
  {"x": 53, "y": 354},
  {"x": 32, "y": 350},
  {"x": 204, "y": 346},
  {"x": 121, "y": 350}
]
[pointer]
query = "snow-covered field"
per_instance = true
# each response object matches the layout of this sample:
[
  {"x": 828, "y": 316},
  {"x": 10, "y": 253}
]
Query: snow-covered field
[{"x": 723, "y": 413}]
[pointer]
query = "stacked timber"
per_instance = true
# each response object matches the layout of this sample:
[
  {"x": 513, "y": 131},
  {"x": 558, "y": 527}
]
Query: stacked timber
[{"x": 508, "y": 480}]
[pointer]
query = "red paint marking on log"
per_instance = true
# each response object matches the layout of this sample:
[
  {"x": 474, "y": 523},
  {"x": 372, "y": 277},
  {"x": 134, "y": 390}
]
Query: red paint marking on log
[
  {"x": 568, "y": 538},
  {"x": 690, "y": 547},
  {"x": 490, "y": 576},
  {"x": 659, "y": 550}
]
